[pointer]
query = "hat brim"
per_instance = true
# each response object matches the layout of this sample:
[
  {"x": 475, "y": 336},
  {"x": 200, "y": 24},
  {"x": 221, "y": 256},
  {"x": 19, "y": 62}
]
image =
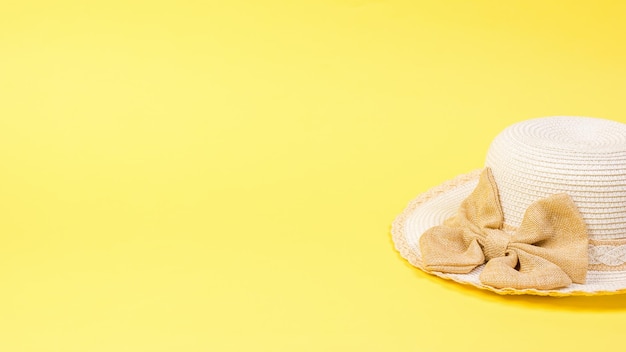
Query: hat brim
[{"x": 441, "y": 202}]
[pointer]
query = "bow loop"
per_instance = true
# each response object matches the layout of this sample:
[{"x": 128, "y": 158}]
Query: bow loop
[{"x": 548, "y": 251}]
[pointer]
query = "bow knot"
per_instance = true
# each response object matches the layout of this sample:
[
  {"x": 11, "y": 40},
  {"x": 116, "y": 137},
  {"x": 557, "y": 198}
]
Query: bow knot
[
  {"x": 495, "y": 244},
  {"x": 548, "y": 250}
]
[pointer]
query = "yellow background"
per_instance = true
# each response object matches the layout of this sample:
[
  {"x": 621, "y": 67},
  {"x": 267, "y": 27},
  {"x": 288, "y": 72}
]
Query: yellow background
[{"x": 222, "y": 176}]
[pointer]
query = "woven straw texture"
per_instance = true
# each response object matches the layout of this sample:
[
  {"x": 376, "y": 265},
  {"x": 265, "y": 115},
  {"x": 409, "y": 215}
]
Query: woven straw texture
[{"x": 583, "y": 157}]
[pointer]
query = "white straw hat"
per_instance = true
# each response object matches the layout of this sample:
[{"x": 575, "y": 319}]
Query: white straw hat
[{"x": 534, "y": 169}]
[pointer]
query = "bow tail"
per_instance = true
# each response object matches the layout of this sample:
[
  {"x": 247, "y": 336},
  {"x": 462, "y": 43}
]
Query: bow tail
[{"x": 521, "y": 270}]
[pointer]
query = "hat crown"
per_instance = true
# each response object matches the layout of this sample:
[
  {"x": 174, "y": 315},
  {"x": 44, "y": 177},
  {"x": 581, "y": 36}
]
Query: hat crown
[{"x": 583, "y": 157}]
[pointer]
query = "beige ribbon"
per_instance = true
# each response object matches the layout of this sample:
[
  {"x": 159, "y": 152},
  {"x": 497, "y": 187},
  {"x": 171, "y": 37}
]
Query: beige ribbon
[{"x": 548, "y": 250}]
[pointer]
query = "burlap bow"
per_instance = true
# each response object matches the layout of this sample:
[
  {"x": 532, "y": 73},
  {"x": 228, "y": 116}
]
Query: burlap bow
[{"x": 548, "y": 250}]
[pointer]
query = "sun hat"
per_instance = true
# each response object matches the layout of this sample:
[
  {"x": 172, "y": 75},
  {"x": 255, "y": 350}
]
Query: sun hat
[{"x": 545, "y": 216}]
